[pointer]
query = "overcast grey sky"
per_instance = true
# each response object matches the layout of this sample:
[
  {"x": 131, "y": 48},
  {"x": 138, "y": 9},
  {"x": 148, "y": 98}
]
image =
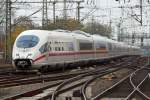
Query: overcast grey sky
[
  {"x": 105, "y": 11},
  {"x": 102, "y": 6},
  {"x": 102, "y": 13}
]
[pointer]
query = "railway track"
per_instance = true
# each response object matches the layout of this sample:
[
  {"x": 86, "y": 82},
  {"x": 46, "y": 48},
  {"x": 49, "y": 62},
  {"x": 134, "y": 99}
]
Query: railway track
[
  {"x": 59, "y": 81},
  {"x": 10, "y": 79},
  {"x": 67, "y": 83},
  {"x": 132, "y": 65},
  {"x": 58, "y": 86},
  {"x": 134, "y": 86}
]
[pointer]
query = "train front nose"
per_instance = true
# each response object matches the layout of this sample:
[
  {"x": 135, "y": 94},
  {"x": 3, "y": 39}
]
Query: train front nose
[
  {"x": 23, "y": 64},
  {"x": 24, "y": 51},
  {"x": 23, "y": 60}
]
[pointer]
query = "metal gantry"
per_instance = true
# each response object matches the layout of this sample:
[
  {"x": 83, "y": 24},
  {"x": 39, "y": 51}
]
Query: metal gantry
[
  {"x": 8, "y": 46},
  {"x": 137, "y": 16},
  {"x": 44, "y": 15},
  {"x": 45, "y": 9}
]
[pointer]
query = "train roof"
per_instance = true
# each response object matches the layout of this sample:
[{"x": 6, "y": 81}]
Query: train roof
[
  {"x": 60, "y": 30},
  {"x": 77, "y": 34},
  {"x": 74, "y": 34},
  {"x": 81, "y": 33},
  {"x": 35, "y": 32}
]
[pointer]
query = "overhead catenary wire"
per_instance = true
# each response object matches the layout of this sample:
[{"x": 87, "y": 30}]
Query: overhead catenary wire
[
  {"x": 89, "y": 13},
  {"x": 28, "y": 16}
]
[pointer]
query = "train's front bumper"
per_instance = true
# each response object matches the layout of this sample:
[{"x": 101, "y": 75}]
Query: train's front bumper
[{"x": 23, "y": 64}]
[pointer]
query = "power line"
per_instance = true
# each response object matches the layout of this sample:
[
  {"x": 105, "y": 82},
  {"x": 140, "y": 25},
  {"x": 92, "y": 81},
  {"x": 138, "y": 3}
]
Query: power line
[
  {"x": 27, "y": 16},
  {"x": 89, "y": 13},
  {"x": 56, "y": 1}
]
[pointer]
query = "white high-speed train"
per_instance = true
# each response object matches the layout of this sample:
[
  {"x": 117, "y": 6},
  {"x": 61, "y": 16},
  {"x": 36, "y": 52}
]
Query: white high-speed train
[{"x": 36, "y": 49}]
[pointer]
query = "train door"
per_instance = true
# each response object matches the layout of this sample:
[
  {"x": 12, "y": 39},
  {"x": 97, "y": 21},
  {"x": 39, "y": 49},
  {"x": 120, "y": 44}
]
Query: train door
[
  {"x": 46, "y": 51},
  {"x": 50, "y": 49},
  {"x": 75, "y": 49},
  {"x": 94, "y": 48},
  {"x": 109, "y": 49}
]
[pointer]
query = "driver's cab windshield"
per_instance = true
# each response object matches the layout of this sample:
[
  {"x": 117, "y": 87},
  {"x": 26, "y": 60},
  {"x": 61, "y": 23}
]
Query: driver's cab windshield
[{"x": 27, "y": 41}]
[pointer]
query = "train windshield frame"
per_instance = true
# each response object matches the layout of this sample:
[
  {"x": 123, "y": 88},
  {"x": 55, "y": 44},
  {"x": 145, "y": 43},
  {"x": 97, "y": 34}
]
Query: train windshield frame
[{"x": 27, "y": 41}]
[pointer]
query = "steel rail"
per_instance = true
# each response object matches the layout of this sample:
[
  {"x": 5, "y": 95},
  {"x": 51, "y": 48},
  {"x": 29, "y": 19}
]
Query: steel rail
[
  {"x": 113, "y": 86},
  {"x": 16, "y": 80},
  {"x": 101, "y": 71},
  {"x": 39, "y": 90},
  {"x": 33, "y": 80},
  {"x": 88, "y": 82},
  {"x": 136, "y": 88},
  {"x": 63, "y": 90},
  {"x": 91, "y": 73},
  {"x": 119, "y": 83},
  {"x": 36, "y": 91},
  {"x": 82, "y": 83},
  {"x": 83, "y": 89},
  {"x": 109, "y": 89},
  {"x": 49, "y": 95},
  {"x": 47, "y": 87}
]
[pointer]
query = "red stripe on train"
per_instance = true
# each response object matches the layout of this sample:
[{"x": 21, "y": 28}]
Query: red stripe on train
[
  {"x": 39, "y": 58},
  {"x": 67, "y": 53}
]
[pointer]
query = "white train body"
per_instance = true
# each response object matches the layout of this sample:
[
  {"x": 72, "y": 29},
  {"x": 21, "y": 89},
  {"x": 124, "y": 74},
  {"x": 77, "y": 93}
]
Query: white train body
[{"x": 34, "y": 49}]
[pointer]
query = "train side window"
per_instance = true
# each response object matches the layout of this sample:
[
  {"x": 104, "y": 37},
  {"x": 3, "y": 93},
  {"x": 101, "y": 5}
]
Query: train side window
[
  {"x": 62, "y": 48},
  {"x": 56, "y": 42},
  {"x": 114, "y": 47},
  {"x": 59, "y": 49},
  {"x": 55, "y": 48},
  {"x": 44, "y": 48},
  {"x": 110, "y": 46},
  {"x": 86, "y": 46},
  {"x": 100, "y": 46},
  {"x": 50, "y": 48}
]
